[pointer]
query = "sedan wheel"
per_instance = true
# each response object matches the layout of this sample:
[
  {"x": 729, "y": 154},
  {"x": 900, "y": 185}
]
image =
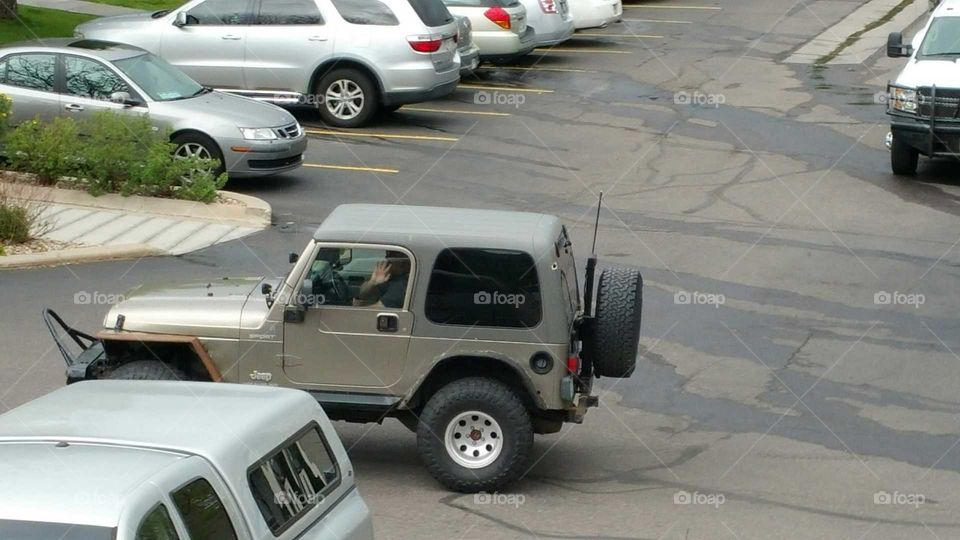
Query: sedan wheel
[{"x": 195, "y": 145}]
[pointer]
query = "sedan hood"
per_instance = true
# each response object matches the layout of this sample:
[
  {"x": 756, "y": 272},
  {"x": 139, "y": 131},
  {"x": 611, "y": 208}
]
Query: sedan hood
[
  {"x": 205, "y": 309},
  {"x": 244, "y": 112},
  {"x": 116, "y": 22},
  {"x": 943, "y": 73}
]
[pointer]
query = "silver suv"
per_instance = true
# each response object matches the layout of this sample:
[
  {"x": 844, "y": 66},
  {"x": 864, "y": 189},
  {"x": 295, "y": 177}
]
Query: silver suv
[{"x": 349, "y": 58}]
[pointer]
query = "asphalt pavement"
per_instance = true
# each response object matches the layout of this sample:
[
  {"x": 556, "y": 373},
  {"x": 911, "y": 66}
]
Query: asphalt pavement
[{"x": 799, "y": 368}]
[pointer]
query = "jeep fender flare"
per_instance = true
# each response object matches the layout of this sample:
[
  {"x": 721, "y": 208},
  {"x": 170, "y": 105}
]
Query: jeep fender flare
[
  {"x": 489, "y": 363},
  {"x": 192, "y": 342}
]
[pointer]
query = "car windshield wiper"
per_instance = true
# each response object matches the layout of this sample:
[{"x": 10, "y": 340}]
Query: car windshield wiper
[{"x": 202, "y": 90}]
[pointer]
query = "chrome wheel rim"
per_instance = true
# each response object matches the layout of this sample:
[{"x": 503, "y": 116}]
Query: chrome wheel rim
[
  {"x": 473, "y": 439},
  {"x": 193, "y": 150},
  {"x": 344, "y": 99}
]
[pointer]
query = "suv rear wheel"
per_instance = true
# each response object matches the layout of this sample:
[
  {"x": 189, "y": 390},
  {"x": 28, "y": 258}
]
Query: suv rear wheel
[
  {"x": 349, "y": 98},
  {"x": 474, "y": 435}
]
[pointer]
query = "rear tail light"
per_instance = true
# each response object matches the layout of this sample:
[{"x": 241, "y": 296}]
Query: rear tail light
[
  {"x": 548, "y": 6},
  {"x": 573, "y": 364},
  {"x": 425, "y": 44},
  {"x": 499, "y": 16}
]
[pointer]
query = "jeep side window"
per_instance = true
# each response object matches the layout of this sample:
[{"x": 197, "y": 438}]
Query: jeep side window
[
  {"x": 202, "y": 511},
  {"x": 359, "y": 277},
  {"x": 293, "y": 479},
  {"x": 484, "y": 287}
]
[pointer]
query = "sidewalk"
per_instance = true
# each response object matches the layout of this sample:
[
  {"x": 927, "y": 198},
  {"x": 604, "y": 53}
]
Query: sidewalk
[{"x": 79, "y": 6}]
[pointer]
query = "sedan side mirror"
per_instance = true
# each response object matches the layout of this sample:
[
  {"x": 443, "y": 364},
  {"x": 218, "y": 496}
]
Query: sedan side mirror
[
  {"x": 896, "y": 48},
  {"x": 181, "y": 19},
  {"x": 124, "y": 98}
]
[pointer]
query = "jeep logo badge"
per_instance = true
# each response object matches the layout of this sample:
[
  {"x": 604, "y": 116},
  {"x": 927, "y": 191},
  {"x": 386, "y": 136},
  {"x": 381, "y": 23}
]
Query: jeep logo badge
[{"x": 261, "y": 376}]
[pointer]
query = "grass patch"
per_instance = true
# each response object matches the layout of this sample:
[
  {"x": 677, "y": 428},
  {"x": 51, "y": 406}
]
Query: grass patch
[
  {"x": 36, "y": 23},
  {"x": 854, "y": 37},
  {"x": 146, "y": 5}
]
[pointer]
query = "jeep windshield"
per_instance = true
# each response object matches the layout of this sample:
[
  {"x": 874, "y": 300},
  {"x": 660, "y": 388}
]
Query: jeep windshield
[
  {"x": 160, "y": 80},
  {"x": 942, "y": 39},
  {"x": 39, "y": 530}
]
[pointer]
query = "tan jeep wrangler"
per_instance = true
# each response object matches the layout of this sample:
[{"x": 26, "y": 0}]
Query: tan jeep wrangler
[{"x": 466, "y": 325}]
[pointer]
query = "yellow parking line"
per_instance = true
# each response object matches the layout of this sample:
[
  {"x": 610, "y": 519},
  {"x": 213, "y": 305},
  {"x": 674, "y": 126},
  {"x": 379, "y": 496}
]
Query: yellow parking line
[
  {"x": 586, "y": 50},
  {"x": 454, "y": 111},
  {"x": 379, "y": 135},
  {"x": 648, "y": 6},
  {"x": 504, "y": 88},
  {"x": 657, "y": 21},
  {"x": 351, "y": 168},
  {"x": 538, "y": 68},
  {"x": 634, "y": 36}
]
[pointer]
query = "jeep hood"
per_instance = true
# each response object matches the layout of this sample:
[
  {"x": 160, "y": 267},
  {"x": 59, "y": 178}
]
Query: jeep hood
[
  {"x": 943, "y": 73},
  {"x": 204, "y": 309}
]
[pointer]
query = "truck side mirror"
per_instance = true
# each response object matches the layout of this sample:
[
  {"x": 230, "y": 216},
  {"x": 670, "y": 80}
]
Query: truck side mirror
[
  {"x": 181, "y": 19},
  {"x": 896, "y": 48}
]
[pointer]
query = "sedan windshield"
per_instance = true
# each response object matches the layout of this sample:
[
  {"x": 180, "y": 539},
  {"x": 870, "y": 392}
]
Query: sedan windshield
[
  {"x": 943, "y": 38},
  {"x": 39, "y": 530},
  {"x": 160, "y": 80}
]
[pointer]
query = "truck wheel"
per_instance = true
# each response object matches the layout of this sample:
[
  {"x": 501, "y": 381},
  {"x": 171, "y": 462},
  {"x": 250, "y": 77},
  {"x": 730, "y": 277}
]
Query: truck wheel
[
  {"x": 475, "y": 435},
  {"x": 612, "y": 340},
  {"x": 903, "y": 158},
  {"x": 148, "y": 370}
]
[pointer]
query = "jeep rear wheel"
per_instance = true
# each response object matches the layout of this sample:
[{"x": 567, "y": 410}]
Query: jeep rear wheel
[
  {"x": 475, "y": 435},
  {"x": 613, "y": 337},
  {"x": 148, "y": 370}
]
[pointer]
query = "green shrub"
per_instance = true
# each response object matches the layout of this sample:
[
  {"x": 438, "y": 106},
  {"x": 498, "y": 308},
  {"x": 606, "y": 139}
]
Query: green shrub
[
  {"x": 14, "y": 224},
  {"x": 112, "y": 153},
  {"x": 45, "y": 149},
  {"x": 6, "y": 106}
]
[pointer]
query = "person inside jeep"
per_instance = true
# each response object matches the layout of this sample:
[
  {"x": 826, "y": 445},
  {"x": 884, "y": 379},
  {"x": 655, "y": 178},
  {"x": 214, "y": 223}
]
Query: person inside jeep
[{"x": 388, "y": 283}]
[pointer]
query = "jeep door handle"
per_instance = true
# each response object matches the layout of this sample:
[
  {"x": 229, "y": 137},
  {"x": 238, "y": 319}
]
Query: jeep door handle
[
  {"x": 73, "y": 107},
  {"x": 232, "y": 37},
  {"x": 388, "y": 322}
]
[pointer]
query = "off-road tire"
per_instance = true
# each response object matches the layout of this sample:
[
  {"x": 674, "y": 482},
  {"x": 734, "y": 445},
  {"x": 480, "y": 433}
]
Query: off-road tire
[
  {"x": 148, "y": 370},
  {"x": 903, "y": 158},
  {"x": 371, "y": 98},
  {"x": 492, "y": 398},
  {"x": 611, "y": 341}
]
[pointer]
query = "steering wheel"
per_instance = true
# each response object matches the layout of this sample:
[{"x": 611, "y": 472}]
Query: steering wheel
[{"x": 335, "y": 289}]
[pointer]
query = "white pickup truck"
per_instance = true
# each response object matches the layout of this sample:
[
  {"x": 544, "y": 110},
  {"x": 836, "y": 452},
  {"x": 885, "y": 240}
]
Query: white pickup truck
[
  {"x": 924, "y": 101},
  {"x": 125, "y": 460}
]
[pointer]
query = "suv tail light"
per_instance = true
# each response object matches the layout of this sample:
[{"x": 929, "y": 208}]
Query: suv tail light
[
  {"x": 499, "y": 16},
  {"x": 548, "y": 6},
  {"x": 573, "y": 364},
  {"x": 425, "y": 44}
]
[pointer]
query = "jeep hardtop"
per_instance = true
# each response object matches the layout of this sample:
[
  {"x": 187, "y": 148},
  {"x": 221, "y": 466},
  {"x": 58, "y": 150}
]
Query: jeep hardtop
[{"x": 466, "y": 325}]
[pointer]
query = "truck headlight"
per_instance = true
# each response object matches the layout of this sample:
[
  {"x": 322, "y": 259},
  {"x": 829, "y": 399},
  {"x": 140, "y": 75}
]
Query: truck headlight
[
  {"x": 903, "y": 99},
  {"x": 258, "y": 134}
]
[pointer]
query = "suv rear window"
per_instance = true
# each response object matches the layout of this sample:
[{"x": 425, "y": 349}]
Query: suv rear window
[
  {"x": 432, "y": 12},
  {"x": 366, "y": 12},
  {"x": 484, "y": 287}
]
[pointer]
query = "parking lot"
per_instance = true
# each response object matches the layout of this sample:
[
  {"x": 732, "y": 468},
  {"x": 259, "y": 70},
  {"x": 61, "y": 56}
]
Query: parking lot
[{"x": 800, "y": 348}]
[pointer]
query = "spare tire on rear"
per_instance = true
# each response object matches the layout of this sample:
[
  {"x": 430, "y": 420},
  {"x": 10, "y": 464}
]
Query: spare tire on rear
[{"x": 611, "y": 339}]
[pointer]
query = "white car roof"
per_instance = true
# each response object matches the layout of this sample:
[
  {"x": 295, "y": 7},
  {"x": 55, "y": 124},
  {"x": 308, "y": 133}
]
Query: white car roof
[{"x": 948, "y": 8}]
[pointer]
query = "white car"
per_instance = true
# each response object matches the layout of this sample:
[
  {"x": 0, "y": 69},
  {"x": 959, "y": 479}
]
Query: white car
[
  {"x": 595, "y": 13},
  {"x": 499, "y": 27},
  {"x": 170, "y": 460},
  {"x": 551, "y": 21}
]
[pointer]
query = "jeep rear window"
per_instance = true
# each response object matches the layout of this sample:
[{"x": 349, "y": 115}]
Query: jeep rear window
[
  {"x": 484, "y": 287},
  {"x": 432, "y": 12}
]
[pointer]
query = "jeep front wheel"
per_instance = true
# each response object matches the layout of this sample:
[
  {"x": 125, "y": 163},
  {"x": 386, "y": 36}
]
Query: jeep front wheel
[
  {"x": 475, "y": 435},
  {"x": 148, "y": 370}
]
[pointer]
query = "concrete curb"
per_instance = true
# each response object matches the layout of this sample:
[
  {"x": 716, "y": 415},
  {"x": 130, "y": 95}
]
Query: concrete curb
[
  {"x": 251, "y": 212},
  {"x": 78, "y": 255}
]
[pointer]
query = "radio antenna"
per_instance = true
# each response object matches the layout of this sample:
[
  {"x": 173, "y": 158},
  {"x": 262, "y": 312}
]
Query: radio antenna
[{"x": 596, "y": 224}]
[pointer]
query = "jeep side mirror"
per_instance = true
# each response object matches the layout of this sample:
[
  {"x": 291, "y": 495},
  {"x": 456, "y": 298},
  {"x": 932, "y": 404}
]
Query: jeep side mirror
[
  {"x": 266, "y": 288},
  {"x": 181, "y": 19},
  {"x": 294, "y": 257},
  {"x": 896, "y": 48}
]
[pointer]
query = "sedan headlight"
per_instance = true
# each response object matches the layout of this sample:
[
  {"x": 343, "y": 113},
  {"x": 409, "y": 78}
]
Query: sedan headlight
[
  {"x": 258, "y": 134},
  {"x": 903, "y": 99}
]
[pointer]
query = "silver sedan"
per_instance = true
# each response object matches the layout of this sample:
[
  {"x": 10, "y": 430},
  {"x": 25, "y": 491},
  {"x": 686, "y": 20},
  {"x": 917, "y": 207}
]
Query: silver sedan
[{"x": 76, "y": 78}]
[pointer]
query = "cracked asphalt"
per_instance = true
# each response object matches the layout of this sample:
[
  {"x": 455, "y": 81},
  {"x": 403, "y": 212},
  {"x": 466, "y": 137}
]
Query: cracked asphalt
[{"x": 799, "y": 373}]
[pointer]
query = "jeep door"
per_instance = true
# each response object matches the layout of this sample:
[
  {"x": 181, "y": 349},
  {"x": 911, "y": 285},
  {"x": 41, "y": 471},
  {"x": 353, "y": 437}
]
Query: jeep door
[
  {"x": 209, "y": 47},
  {"x": 356, "y": 321}
]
